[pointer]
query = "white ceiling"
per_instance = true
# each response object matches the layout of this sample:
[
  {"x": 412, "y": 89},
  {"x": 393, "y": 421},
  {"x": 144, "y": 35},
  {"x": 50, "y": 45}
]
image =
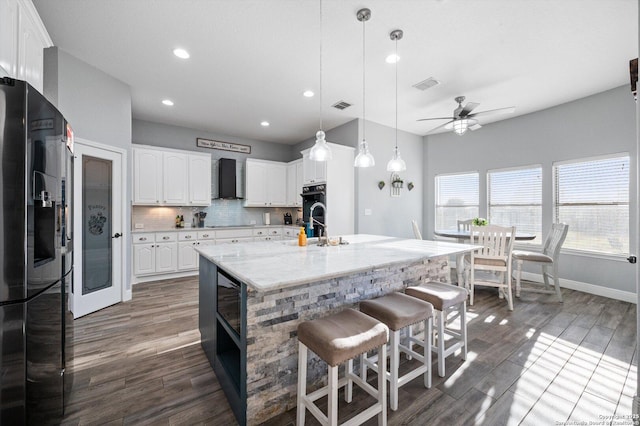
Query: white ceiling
[{"x": 252, "y": 59}]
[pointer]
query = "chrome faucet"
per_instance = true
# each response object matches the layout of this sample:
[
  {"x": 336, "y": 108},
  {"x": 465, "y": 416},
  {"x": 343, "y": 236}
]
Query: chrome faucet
[{"x": 322, "y": 241}]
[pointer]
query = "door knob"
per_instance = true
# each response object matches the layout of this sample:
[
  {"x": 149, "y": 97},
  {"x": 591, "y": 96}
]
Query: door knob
[{"x": 117, "y": 235}]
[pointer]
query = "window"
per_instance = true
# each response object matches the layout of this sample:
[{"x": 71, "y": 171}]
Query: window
[
  {"x": 515, "y": 199},
  {"x": 592, "y": 197},
  {"x": 457, "y": 198}
]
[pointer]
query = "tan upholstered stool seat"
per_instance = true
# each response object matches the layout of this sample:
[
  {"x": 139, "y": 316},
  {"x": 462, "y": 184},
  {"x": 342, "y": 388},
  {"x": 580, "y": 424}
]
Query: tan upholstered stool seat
[
  {"x": 342, "y": 336},
  {"x": 442, "y": 296},
  {"x": 400, "y": 312},
  {"x": 397, "y": 310},
  {"x": 531, "y": 256}
]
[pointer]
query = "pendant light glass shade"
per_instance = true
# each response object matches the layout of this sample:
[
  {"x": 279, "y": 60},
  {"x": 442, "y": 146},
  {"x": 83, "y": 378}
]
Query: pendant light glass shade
[
  {"x": 364, "y": 157},
  {"x": 320, "y": 151},
  {"x": 396, "y": 164}
]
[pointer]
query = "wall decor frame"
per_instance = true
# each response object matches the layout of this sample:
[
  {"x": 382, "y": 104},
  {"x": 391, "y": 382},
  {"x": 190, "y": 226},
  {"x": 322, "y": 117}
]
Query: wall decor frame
[{"x": 224, "y": 146}]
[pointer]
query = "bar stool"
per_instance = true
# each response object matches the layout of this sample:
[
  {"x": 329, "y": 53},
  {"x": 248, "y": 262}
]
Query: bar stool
[
  {"x": 445, "y": 297},
  {"x": 335, "y": 339},
  {"x": 399, "y": 311}
]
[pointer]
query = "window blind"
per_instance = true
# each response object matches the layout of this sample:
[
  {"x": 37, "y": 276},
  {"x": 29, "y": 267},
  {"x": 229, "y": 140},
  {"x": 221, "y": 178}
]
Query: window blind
[
  {"x": 592, "y": 197},
  {"x": 457, "y": 198},
  {"x": 515, "y": 199}
]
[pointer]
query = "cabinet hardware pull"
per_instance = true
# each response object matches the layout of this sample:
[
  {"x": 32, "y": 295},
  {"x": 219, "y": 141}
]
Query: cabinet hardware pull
[
  {"x": 165, "y": 238},
  {"x": 142, "y": 239},
  {"x": 205, "y": 235},
  {"x": 187, "y": 236}
]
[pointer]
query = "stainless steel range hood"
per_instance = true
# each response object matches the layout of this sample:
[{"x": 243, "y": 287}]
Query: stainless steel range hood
[{"x": 228, "y": 187}]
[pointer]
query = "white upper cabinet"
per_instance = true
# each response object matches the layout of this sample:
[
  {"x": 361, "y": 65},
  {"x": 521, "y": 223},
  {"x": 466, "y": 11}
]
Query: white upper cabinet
[
  {"x": 147, "y": 176},
  {"x": 294, "y": 183},
  {"x": 163, "y": 177},
  {"x": 199, "y": 180},
  {"x": 23, "y": 38},
  {"x": 175, "y": 178},
  {"x": 314, "y": 171},
  {"x": 266, "y": 183}
]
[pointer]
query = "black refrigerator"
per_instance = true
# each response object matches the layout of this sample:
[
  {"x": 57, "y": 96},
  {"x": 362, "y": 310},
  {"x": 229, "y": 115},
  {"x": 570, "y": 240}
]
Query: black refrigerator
[{"x": 36, "y": 256}]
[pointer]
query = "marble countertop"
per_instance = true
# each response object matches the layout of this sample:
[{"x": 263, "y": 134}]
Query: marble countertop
[
  {"x": 210, "y": 228},
  {"x": 273, "y": 265}
]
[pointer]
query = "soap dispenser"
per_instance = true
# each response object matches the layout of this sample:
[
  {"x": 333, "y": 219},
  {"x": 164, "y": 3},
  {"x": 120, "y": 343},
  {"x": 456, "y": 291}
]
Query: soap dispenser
[{"x": 302, "y": 237}]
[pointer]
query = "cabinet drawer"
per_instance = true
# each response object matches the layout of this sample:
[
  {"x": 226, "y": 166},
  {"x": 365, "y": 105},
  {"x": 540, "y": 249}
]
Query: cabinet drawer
[
  {"x": 290, "y": 232},
  {"x": 233, "y": 233},
  {"x": 166, "y": 237},
  {"x": 264, "y": 232},
  {"x": 187, "y": 236},
  {"x": 143, "y": 238},
  {"x": 206, "y": 235}
]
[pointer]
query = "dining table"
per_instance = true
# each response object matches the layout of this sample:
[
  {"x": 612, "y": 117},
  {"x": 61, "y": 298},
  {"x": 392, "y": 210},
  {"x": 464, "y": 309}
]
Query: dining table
[{"x": 463, "y": 236}]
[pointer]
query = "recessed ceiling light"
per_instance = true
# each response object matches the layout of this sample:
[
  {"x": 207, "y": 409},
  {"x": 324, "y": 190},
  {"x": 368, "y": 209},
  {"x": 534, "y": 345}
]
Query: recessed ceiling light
[
  {"x": 264, "y": 123},
  {"x": 392, "y": 59},
  {"x": 181, "y": 53},
  {"x": 168, "y": 102},
  {"x": 308, "y": 94}
]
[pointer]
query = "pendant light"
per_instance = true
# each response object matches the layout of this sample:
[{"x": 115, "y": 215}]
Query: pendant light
[
  {"x": 396, "y": 164},
  {"x": 364, "y": 157},
  {"x": 320, "y": 151}
]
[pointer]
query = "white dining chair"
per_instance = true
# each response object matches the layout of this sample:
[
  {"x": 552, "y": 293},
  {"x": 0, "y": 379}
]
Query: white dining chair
[
  {"x": 491, "y": 264},
  {"x": 465, "y": 225},
  {"x": 548, "y": 258},
  {"x": 416, "y": 230}
]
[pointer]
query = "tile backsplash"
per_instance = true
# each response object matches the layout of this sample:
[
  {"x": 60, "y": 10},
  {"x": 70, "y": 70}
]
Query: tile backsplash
[{"x": 219, "y": 213}]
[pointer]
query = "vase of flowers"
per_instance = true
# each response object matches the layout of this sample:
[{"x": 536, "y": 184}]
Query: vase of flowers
[{"x": 480, "y": 221}]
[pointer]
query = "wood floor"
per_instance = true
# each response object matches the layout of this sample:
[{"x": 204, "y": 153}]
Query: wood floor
[{"x": 546, "y": 362}]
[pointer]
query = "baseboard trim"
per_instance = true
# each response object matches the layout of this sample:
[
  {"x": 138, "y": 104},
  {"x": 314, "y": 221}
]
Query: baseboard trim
[
  {"x": 625, "y": 296},
  {"x": 158, "y": 277}
]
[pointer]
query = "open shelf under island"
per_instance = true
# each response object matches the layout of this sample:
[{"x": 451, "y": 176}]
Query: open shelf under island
[{"x": 254, "y": 295}]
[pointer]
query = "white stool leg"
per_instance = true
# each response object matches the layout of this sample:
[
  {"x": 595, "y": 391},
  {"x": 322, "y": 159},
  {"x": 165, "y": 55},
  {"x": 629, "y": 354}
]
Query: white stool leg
[
  {"x": 441, "y": 319},
  {"x": 409, "y": 342},
  {"x": 463, "y": 328},
  {"x": 428, "y": 331},
  {"x": 382, "y": 384},
  {"x": 363, "y": 367},
  {"x": 348, "y": 394},
  {"x": 302, "y": 383},
  {"x": 332, "y": 410},
  {"x": 394, "y": 361}
]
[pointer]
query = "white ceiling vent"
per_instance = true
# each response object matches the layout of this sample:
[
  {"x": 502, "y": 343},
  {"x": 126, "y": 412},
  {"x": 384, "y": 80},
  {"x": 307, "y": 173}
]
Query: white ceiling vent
[
  {"x": 341, "y": 105},
  {"x": 426, "y": 84}
]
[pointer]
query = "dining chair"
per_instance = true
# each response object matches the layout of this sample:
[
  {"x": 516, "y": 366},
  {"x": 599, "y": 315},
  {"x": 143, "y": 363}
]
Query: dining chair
[
  {"x": 465, "y": 225},
  {"x": 491, "y": 264},
  {"x": 416, "y": 230},
  {"x": 548, "y": 258}
]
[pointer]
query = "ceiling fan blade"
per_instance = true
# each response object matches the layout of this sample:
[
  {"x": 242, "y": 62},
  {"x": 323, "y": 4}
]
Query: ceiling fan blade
[
  {"x": 467, "y": 109},
  {"x": 436, "y": 118},
  {"x": 507, "y": 110},
  {"x": 439, "y": 127},
  {"x": 475, "y": 126}
]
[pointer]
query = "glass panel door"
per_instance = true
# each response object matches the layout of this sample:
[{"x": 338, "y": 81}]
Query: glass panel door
[{"x": 97, "y": 194}]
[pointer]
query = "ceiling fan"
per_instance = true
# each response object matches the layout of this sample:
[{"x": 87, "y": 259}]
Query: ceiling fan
[{"x": 463, "y": 120}]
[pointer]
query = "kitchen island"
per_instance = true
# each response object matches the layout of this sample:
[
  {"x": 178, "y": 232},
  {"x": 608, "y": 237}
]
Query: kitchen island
[{"x": 254, "y": 295}]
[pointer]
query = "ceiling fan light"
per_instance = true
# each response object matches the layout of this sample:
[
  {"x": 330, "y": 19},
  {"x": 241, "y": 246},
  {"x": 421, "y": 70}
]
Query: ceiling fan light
[
  {"x": 396, "y": 164},
  {"x": 364, "y": 157},
  {"x": 460, "y": 126},
  {"x": 320, "y": 151}
]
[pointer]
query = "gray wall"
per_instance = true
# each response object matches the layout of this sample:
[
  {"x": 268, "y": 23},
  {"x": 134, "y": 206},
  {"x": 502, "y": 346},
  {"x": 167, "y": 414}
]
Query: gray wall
[
  {"x": 99, "y": 109},
  {"x": 167, "y": 136},
  {"x": 390, "y": 216},
  {"x": 600, "y": 124}
]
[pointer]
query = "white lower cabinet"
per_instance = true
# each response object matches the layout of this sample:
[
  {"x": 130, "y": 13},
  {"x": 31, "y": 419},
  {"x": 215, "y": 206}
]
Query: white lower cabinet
[
  {"x": 144, "y": 259},
  {"x": 166, "y": 257},
  {"x": 187, "y": 255}
]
